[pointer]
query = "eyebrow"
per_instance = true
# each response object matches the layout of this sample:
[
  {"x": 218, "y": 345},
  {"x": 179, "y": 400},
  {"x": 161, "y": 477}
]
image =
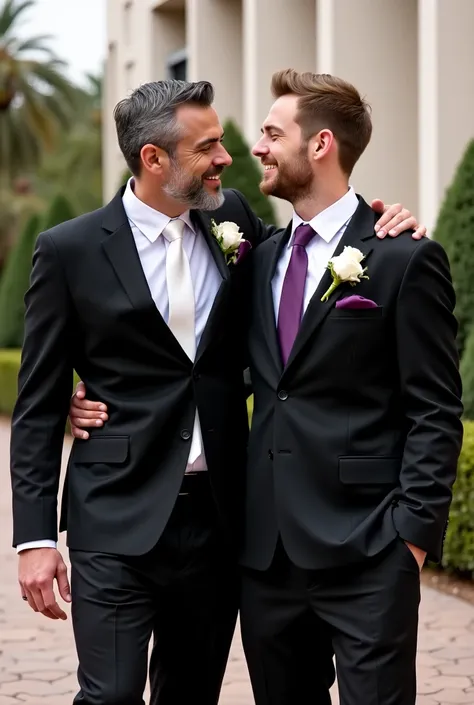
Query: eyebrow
[
  {"x": 209, "y": 140},
  {"x": 270, "y": 128}
]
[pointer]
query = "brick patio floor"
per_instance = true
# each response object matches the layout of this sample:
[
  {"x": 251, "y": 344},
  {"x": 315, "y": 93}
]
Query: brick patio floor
[{"x": 38, "y": 661}]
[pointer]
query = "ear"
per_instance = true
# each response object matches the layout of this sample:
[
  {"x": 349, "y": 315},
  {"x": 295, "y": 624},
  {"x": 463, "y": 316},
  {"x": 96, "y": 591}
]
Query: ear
[
  {"x": 321, "y": 144},
  {"x": 153, "y": 158}
]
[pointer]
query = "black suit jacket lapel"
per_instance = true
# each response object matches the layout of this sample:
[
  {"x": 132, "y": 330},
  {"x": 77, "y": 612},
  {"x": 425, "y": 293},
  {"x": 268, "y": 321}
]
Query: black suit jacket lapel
[
  {"x": 203, "y": 222},
  {"x": 119, "y": 247},
  {"x": 359, "y": 231},
  {"x": 210, "y": 332}
]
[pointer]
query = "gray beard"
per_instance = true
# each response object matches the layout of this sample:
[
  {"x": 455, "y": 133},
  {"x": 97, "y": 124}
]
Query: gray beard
[{"x": 192, "y": 192}]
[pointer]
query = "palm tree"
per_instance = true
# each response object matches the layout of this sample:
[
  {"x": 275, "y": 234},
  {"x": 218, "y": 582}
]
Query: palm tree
[
  {"x": 75, "y": 167},
  {"x": 35, "y": 97}
]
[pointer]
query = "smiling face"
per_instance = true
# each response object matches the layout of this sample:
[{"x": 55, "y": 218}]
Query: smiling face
[
  {"x": 288, "y": 172},
  {"x": 191, "y": 175}
]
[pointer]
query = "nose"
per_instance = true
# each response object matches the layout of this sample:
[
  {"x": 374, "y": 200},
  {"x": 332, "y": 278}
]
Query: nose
[
  {"x": 260, "y": 149},
  {"x": 223, "y": 158}
]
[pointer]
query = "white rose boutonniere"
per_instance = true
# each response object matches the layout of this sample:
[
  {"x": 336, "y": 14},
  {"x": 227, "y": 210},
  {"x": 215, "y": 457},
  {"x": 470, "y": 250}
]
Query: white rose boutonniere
[
  {"x": 229, "y": 238},
  {"x": 346, "y": 267}
]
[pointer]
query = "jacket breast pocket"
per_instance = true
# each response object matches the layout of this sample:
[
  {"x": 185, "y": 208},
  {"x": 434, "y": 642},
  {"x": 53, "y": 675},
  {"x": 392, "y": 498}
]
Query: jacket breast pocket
[
  {"x": 357, "y": 314},
  {"x": 106, "y": 450}
]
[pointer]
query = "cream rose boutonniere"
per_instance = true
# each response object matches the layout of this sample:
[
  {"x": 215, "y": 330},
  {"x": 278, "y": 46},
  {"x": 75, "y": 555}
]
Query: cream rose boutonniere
[
  {"x": 229, "y": 238},
  {"x": 346, "y": 267}
]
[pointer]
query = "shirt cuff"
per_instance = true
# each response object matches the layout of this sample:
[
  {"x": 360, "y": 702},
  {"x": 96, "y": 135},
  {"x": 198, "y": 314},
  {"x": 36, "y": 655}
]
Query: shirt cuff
[{"x": 45, "y": 543}]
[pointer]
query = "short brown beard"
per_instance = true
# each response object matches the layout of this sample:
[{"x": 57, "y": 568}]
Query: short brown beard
[{"x": 292, "y": 183}]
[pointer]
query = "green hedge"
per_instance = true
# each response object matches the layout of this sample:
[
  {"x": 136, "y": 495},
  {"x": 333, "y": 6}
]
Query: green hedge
[
  {"x": 467, "y": 375},
  {"x": 244, "y": 174},
  {"x": 459, "y": 545},
  {"x": 15, "y": 281},
  {"x": 455, "y": 231},
  {"x": 9, "y": 367}
]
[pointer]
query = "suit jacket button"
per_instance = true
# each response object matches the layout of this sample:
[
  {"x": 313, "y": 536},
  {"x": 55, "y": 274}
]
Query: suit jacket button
[
  {"x": 185, "y": 435},
  {"x": 270, "y": 454},
  {"x": 282, "y": 395}
]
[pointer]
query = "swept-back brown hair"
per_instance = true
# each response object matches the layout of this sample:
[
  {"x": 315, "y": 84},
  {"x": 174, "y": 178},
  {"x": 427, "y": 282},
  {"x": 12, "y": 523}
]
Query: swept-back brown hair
[{"x": 328, "y": 102}]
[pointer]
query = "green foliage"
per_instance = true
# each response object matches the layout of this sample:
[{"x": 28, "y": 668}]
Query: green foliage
[
  {"x": 455, "y": 231},
  {"x": 14, "y": 284},
  {"x": 75, "y": 166},
  {"x": 244, "y": 174},
  {"x": 16, "y": 276},
  {"x": 36, "y": 98},
  {"x": 459, "y": 545},
  {"x": 9, "y": 366},
  {"x": 10, "y": 361},
  {"x": 59, "y": 211},
  {"x": 467, "y": 374}
]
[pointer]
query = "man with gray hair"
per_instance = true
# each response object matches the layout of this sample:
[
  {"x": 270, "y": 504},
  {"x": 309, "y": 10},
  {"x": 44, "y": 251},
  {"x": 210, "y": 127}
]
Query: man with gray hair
[{"x": 146, "y": 299}]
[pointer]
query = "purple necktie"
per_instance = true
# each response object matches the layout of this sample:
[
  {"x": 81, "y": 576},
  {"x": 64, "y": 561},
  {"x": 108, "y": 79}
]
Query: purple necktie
[{"x": 292, "y": 294}]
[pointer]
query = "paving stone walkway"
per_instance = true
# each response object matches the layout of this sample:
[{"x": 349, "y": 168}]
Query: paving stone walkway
[{"x": 38, "y": 660}]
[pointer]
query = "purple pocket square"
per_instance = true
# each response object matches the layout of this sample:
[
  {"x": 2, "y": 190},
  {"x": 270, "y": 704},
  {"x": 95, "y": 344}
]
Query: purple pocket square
[
  {"x": 244, "y": 249},
  {"x": 355, "y": 302}
]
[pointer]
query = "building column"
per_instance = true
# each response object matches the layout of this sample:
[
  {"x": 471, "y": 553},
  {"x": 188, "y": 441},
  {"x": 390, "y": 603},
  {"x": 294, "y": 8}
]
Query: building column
[
  {"x": 373, "y": 44},
  {"x": 214, "y": 45},
  {"x": 446, "y": 97},
  {"x": 277, "y": 34},
  {"x": 169, "y": 37}
]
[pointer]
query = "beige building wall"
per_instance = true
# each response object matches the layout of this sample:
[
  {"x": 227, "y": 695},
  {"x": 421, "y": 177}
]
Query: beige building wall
[
  {"x": 373, "y": 44},
  {"x": 412, "y": 59},
  {"x": 446, "y": 95}
]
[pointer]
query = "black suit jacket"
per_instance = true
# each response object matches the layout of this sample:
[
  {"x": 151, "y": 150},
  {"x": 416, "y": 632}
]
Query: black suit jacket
[
  {"x": 89, "y": 308},
  {"x": 357, "y": 439}
]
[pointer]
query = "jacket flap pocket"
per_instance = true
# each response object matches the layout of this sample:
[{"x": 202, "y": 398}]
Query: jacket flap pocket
[
  {"x": 370, "y": 470},
  {"x": 106, "y": 449}
]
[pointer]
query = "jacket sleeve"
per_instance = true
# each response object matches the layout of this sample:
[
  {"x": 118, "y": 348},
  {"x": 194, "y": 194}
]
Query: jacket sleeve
[
  {"x": 426, "y": 331},
  {"x": 44, "y": 389}
]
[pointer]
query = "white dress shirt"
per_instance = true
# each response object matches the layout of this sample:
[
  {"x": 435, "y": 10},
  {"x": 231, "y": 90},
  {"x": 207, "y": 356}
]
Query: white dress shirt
[
  {"x": 147, "y": 226},
  {"x": 329, "y": 226}
]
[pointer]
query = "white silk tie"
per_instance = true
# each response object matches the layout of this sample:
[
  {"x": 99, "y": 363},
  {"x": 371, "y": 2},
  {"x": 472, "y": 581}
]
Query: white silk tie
[{"x": 181, "y": 320}]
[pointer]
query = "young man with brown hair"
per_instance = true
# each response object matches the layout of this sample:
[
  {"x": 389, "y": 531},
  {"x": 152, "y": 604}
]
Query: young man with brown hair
[{"x": 356, "y": 429}]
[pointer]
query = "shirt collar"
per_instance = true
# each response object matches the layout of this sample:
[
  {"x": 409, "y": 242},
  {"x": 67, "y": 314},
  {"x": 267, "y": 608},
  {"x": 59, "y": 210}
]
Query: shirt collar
[
  {"x": 329, "y": 222},
  {"x": 148, "y": 220}
]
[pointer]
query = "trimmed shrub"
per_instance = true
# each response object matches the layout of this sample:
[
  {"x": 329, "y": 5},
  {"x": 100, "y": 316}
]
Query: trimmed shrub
[
  {"x": 9, "y": 368},
  {"x": 455, "y": 231},
  {"x": 14, "y": 284},
  {"x": 244, "y": 174},
  {"x": 59, "y": 210},
  {"x": 10, "y": 361},
  {"x": 16, "y": 277},
  {"x": 467, "y": 374},
  {"x": 459, "y": 545}
]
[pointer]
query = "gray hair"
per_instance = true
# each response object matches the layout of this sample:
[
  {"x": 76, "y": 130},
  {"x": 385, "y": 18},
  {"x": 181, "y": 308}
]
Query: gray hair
[{"x": 148, "y": 116}]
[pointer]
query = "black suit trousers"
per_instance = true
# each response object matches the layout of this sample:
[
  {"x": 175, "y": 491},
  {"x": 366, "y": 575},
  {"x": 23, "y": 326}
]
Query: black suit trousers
[
  {"x": 368, "y": 613},
  {"x": 184, "y": 593}
]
